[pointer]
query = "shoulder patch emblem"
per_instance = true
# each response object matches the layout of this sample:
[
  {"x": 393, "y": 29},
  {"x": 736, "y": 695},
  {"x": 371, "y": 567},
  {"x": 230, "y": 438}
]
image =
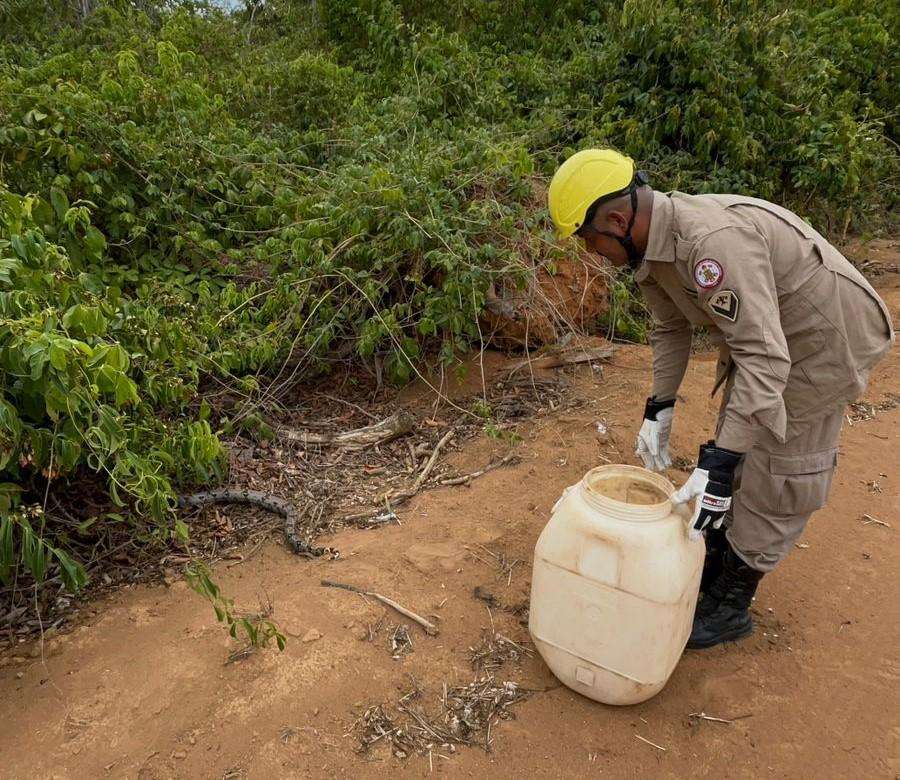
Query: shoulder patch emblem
[
  {"x": 726, "y": 304},
  {"x": 708, "y": 273}
]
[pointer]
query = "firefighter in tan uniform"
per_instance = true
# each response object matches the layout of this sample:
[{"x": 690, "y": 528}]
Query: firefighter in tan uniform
[{"x": 799, "y": 329}]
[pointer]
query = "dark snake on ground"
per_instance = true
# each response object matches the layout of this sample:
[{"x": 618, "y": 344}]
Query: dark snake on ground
[{"x": 267, "y": 501}]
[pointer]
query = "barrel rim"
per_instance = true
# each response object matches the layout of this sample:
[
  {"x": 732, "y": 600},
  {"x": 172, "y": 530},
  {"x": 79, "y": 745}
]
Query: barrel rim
[{"x": 622, "y": 509}]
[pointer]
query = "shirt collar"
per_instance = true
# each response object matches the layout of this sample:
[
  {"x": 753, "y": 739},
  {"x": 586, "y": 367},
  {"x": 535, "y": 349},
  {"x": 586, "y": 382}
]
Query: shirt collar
[{"x": 660, "y": 237}]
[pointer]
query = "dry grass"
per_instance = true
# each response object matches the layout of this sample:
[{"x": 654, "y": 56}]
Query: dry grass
[
  {"x": 496, "y": 650},
  {"x": 399, "y": 641},
  {"x": 860, "y": 411},
  {"x": 466, "y": 715}
]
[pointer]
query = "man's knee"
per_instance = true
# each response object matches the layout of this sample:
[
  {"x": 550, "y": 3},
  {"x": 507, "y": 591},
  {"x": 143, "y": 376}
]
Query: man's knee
[
  {"x": 761, "y": 560},
  {"x": 777, "y": 496}
]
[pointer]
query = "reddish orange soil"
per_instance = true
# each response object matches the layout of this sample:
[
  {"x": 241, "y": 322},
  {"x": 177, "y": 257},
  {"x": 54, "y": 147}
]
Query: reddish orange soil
[{"x": 142, "y": 690}]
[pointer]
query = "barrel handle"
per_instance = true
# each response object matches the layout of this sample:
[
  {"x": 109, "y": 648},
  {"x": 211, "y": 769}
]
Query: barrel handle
[{"x": 564, "y": 494}]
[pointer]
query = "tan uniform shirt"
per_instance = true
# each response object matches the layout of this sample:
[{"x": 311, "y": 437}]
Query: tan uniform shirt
[{"x": 796, "y": 322}]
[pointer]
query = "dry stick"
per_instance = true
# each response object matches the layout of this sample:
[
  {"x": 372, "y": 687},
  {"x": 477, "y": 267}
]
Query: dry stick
[
  {"x": 404, "y": 495},
  {"x": 430, "y": 628},
  {"x": 376, "y": 515},
  {"x": 573, "y": 357},
  {"x": 869, "y": 520},
  {"x": 423, "y": 723},
  {"x": 508, "y": 458},
  {"x": 385, "y": 430},
  {"x": 652, "y": 744},
  {"x": 476, "y": 555},
  {"x": 565, "y": 358},
  {"x": 514, "y": 644},
  {"x": 713, "y": 719},
  {"x": 433, "y": 459}
]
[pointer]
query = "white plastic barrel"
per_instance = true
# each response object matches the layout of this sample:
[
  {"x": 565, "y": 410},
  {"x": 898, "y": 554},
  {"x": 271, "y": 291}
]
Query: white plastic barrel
[{"x": 614, "y": 585}]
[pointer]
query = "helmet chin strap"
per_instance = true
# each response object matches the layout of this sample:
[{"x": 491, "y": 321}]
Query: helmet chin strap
[{"x": 634, "y": 256}]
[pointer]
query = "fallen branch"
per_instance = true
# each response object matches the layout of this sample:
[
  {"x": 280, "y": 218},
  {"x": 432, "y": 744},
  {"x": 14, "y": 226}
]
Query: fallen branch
[
  {"x": 430, "y": 628},
  {"x": 404, "y": 495},
  {"x": 265, "y": 500},
  {"x": 510, "y": 457},
  {"x": 565, "y": 358},
  {"x": 869, "y": 520},
  {"x": 432, "y": 460},
  {"x": 359, "y": 439},
  {"x": 380, "y": 516}
]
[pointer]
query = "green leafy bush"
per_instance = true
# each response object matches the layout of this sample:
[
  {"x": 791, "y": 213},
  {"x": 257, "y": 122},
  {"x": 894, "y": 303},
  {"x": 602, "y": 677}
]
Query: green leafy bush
[
  {"x": 73, "y": 352},
  {"x": 192, "y": 199}
]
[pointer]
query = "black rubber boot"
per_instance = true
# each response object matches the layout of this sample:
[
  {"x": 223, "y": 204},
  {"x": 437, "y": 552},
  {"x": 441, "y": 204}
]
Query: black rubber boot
[
  {"x": 716, "y": 545},
  {"x": 723, "y": 614}
]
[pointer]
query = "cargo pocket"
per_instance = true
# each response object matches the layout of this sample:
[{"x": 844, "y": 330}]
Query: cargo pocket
[{"x": 807, "y": 480}]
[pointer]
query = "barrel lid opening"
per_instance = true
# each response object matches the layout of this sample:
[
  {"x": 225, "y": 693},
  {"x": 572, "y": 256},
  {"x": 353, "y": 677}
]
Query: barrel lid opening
[{"x": 626, "y": 484}]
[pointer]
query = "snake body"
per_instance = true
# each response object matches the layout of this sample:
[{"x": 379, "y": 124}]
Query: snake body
[{"x": 265, "y": 500}]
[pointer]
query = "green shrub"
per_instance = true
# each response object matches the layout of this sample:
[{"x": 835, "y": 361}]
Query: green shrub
[
  {"x": 191, "y": 197},
  {"x": 74, "y": 353}
]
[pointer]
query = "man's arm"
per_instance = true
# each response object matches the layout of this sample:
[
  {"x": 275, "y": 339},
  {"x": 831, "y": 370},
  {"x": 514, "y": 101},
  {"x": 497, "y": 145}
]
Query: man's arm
[
  {"x": 732, "y": 274},
  {"x": 670, "y": 339}
]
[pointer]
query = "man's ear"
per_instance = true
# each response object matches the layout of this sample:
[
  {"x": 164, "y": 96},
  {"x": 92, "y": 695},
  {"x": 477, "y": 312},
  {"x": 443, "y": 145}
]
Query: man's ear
[{"x": 617, "y": 220}]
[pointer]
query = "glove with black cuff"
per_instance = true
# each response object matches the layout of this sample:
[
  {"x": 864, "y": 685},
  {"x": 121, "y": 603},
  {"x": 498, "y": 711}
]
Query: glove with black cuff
[
  {"x": 652, "y": 444},
  {"x": 712, "y": 482}
]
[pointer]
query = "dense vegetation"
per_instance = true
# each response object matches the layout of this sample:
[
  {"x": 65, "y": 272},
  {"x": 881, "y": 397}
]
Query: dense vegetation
[{"x": 196, "y": 204}]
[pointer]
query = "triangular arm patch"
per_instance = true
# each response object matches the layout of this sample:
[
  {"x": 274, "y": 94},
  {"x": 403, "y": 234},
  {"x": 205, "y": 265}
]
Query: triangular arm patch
[{"x": 726, "y": 304}]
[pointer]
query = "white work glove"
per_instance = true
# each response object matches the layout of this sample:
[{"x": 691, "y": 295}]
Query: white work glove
[
  {"x": 652, "y": 445},
  {"x": 711, "y": 482}
]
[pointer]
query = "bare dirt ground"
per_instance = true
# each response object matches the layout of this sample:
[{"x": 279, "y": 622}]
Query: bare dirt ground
[{"x": 142, "y": 689}]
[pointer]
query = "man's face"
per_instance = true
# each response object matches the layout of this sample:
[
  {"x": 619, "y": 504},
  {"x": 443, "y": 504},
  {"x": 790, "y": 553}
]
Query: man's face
[{"x": 603, "y": 245}]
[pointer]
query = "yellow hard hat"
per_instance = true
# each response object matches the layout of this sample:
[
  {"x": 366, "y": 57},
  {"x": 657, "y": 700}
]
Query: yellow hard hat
[{"x": 581, "y": 180}]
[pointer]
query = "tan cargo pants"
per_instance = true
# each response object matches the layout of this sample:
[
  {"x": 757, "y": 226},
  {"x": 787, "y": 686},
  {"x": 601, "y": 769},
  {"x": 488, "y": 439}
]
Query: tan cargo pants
[{"x": 778, "y": 487}]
